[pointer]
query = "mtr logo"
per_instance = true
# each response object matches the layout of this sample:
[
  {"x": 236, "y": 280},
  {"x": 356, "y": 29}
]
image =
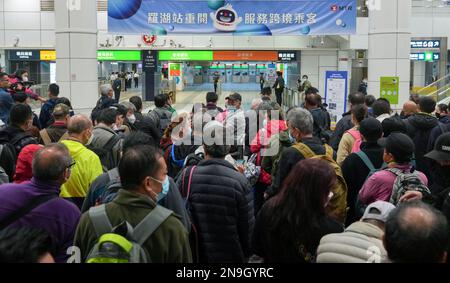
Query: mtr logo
[{"x": 337, "y": 8}]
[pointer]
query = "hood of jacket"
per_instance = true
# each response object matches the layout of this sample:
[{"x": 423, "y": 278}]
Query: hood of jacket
[
  {"x": 24, "y": 170},
  {"x": 423, "y": 121},
  {"x": 365, "y": 228},
  {"x": 8, "y": 132}
]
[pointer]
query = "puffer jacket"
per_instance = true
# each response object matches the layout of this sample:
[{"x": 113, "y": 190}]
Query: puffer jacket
[
  {"x": 359, "y": 243},
  {"x": 419, "y": 127},
  {"x": 221, "y": 208}
]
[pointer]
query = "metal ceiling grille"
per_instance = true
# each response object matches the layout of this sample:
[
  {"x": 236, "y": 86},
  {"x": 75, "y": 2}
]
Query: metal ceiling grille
[{"x": 47, "y": 5}]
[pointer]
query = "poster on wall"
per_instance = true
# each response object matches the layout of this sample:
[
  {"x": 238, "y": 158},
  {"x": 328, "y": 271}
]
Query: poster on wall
[
  {"x": 389, "y": 87},
  {"x": 336, "y": 93},
  {"x": 175, "y": 73},
  {"x": 237, "y": 17}
]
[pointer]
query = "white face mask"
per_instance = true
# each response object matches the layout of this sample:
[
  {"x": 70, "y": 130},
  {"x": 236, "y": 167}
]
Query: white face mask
[
  {"x": 90, "y": 139},
  {"x": 25, "y": 78},
  {"x": 115, "y": 128},
  {"x": 132, "y": 119}
]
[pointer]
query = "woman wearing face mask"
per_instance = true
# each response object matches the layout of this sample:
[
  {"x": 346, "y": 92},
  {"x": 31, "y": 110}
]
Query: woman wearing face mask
[
  {"x": 177, "y": 143},
  {"x": 290, "y": 225},
  {"x": 22, "y": 76}
]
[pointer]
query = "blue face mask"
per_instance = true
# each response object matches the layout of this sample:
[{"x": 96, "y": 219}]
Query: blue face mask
[
  {"x": 231, "y": 109},
  {"x": 165, "y": 189}
]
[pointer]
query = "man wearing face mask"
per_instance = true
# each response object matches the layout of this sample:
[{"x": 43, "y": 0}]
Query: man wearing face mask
[
  {"x": 440, "y": 170},
  {"x": 301, "y": 128},
  {"x": 143, "y": 174},
  {"x": 106, "y": 143},
  {"x": 88, "y": 165},
  {"x": 235, "y": 124}
]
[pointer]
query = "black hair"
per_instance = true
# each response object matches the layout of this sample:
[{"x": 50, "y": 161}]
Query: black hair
[
  {"x": 412, "y": 240},
  {"x": 443, "y": 107},
  {"x": 24, "y": 245},
  {"x": 137, "y": 102},
  {"x": 427, "y": 104},
  {"x": 305, "y": 76},
  {"x": 19, "y": 72},
  {"x": 359, "y": 111},
  {"x": 356, "y": 98},
  {"x": 160, "y": 100},
  {"x": 381, "y": 106},
  {"x": 212, "y": 97},
  {"x": 108, "y": 116},
  {"x": 2, "y": 74},
  {"x": 137, "y": 138},
  {"x": 266, "y": 91},
  {"x": 311, "y": 90},
  {"x": 53, "y": 89},
  {"x": 20, "y": 97},
  {"x": 64, "y": 100},
  {"x": 369, "y": 100},
  {"x": 136, "y": 164},
  {"x": 393, "y": 124},
  {"x": 20, "y": 114}
]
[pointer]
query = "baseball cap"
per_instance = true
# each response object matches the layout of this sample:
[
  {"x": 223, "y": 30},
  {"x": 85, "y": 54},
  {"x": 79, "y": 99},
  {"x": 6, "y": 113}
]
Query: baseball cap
[
  {"x": 61, "y": 110},
  {"x": 441, "y": 150},
  {"x": 371, "y": 129},
  {"x": 399, "y": 145},
  {"x": 378, "y": 210},
  {"x": 234, "y": 96}
]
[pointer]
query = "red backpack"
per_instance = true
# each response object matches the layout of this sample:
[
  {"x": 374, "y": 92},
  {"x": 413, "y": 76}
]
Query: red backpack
[{"x": 358, "y": 140}]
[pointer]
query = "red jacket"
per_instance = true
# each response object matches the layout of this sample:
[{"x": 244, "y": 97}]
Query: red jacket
[
  {"x": 24, "y": 171},
  {"x": 28, "y": 91},
  {"x": 272, "y": 127}
]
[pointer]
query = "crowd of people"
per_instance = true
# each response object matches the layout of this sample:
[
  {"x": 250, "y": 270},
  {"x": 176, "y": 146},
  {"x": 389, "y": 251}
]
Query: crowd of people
[{"x": 223, "y": 185}]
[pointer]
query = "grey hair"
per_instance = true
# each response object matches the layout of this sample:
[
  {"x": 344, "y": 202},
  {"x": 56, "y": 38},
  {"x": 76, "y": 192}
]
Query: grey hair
[
  {"x": 50, "y": 162},
  {"x": 302, "y": 120},
  {"x": 129, "y": 106},
  {"x": 104, "y": 89}
]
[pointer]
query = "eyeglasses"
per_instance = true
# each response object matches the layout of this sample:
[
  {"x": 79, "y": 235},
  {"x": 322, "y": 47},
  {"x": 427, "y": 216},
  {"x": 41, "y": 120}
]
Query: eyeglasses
[{"x": 71, "y": 165}]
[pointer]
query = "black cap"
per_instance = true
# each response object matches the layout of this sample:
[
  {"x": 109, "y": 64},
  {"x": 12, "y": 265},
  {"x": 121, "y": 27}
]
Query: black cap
[
  {"x": 441, "y": 150},
  {"x": 371, "y": 129},
  {"x": 400, "y": 146},
  {"x": 234, "y": 96}
]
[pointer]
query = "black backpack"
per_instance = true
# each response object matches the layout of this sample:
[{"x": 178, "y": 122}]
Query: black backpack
[{"x": 106, "y": 152}]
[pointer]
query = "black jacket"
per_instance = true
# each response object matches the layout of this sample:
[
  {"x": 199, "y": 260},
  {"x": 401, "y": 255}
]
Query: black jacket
[
  {"x": 355, "y": 173},
  {"x": 146, "y": 125},
  {"x": 342, "y": 126},
  {"x": 321, "y": 120},
  {"x": 289, "y": 158},
  {"x": 419, "y": 128},
  {"x": 221, "y": 207}
]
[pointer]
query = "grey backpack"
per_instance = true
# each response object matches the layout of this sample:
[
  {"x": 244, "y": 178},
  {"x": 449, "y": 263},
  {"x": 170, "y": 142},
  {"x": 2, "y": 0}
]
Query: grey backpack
[
  {"x": 406, "y": 182},
  {"x": 123, "y": 243}
]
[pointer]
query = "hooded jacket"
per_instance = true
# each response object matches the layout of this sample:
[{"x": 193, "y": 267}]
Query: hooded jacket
[
  {"x": 87, "y": 167},
  {"x": 10, "y": 133},
  {"x": 24, "y": 171},
  {"x": 419, "y": 127},
  {"x": 361, "y": 242}
]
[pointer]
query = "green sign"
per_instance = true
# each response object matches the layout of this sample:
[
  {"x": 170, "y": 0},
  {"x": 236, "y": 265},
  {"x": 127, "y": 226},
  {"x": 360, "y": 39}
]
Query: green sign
[
  {"x": 198, "y": 67},
  {"x": 389, "y": 88},
  {"x": 429, "y": 56},
  {"x": 261, "y": 67},
  {"x": 119, "y": 55},
  {"x": 185, "y": 55}
]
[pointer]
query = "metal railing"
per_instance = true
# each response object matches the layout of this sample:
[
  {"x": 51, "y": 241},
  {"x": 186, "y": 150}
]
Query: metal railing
[
  {"x": 291, "y": 98},
  {"x": 435, "y": 87}
]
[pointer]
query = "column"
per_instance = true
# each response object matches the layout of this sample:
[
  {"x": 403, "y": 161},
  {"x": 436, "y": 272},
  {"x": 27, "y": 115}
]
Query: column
[
  {"x": 389, "y": 46},
  {"x": 76, "y": 51}
]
